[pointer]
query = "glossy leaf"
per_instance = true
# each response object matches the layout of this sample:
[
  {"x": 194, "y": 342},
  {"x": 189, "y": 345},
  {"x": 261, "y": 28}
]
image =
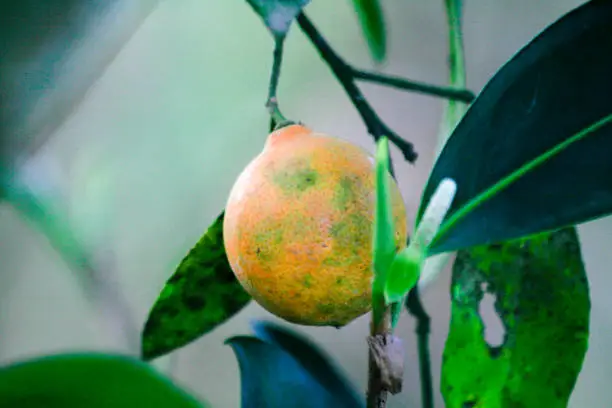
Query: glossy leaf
[
  {"x": 542, "y": 299},
  {"x": 89, "y": 380},
  {"x": 372, "y": 22},
  {"x": 533, "y": 151},
  {"x": 53, "y": 51},
  {"x": 202, "y": 294},
  {"x": 274, "y": 374},
  {"x": 311, "y": 357},
  {"x": 278, "y": 14}
]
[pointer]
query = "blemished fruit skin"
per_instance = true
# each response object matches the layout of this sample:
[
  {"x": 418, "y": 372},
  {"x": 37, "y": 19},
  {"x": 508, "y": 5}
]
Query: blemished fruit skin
[{"x": 298, "y": 227}]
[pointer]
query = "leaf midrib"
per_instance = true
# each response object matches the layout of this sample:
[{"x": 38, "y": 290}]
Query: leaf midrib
[{"x": 455, "y": 218}]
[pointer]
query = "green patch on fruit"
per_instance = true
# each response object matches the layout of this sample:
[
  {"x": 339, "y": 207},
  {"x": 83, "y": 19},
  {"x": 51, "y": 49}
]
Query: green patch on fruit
[
  {"x": 351, "y": 231},
  {"x": 296, "y": 181},
  {"x": 345, "y": 194}
]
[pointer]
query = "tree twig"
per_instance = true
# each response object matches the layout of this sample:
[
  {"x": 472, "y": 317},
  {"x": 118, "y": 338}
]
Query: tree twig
[
  {"x": 380, "y": 327},
  {"x": 458, "y": 94},
  {"x": 345, "y": 75},
  {"x": 416, "y": 309}
]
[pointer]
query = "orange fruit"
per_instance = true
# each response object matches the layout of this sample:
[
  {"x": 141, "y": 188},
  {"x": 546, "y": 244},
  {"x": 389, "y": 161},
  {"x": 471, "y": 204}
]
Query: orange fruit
[{"x": 298, "y": 227}]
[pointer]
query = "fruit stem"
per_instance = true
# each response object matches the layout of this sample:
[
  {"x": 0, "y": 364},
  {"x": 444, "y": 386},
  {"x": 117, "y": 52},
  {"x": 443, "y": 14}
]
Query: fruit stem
[{"x": 276, "y": 116}]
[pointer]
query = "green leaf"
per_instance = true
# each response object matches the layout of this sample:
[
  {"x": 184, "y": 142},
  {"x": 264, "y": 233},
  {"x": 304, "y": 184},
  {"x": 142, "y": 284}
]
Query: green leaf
[
  {"x": 384, "y": 241},
  {"x": 283, "y": 370},
  {"x": 403, "y": 274},
  {"x": 532, "y": 152},
  {"x": 542, "y": 299},
  {"x": 91, "y": 380},
  {"x": 372, "y": 22},
  {"x": 278, "y": 14},
  {"x": 202, "y": 294},
  {"x": 405, "y": 269}
]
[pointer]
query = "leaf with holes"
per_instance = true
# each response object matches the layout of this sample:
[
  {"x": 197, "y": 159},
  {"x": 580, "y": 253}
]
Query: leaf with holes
[
  {"x": 202, "y": 294},
  {"x": 91, "y": 380},
  {"x": 278, "y": 14},
  {"x": 279, "y": 369},
  {"x": 542, "y": 299},
  {"x": 532, "y": 153},
  {"x": 372, "y": 22}
]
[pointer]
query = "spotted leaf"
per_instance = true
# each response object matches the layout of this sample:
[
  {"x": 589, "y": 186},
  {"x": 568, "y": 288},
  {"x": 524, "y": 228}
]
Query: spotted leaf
[
  {"x": 542, "y": 299},
  {"x": 202, "y": 294}
]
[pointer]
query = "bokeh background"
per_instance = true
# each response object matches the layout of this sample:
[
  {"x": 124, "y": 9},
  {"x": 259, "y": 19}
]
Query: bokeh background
[{"x": 145, "y": 160}]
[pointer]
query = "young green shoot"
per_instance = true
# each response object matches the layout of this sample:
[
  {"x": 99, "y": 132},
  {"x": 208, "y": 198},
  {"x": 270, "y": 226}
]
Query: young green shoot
[
  {"x": 405, "y": 268},
  {"x": 383, "y": 240}
]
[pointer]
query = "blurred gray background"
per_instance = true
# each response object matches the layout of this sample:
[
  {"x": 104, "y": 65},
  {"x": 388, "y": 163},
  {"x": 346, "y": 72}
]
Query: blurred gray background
[{"x": 146, "y": 159}]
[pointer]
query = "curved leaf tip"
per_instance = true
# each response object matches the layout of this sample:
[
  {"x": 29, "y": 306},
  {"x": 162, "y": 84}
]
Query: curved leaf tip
[{"x": 373, "y": 25}]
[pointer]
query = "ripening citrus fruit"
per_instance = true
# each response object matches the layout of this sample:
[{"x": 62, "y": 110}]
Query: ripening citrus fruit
[{"x": 298, "y": 227}]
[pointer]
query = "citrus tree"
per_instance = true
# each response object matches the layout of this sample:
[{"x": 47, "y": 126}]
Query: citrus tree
[{"x": 315, "y": 231}]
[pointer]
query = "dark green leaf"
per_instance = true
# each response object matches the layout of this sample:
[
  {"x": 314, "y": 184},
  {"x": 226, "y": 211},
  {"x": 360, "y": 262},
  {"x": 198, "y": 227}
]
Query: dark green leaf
[
  {"x": 311, "y": 357},
  {"x": 88, "y": 380},
  {"x": 542, "y": 299},
  {"x": 271, "y": 377},
  {"x": 373, "y": 25},
  {"x": 202, "y": 294},
  {"x": 533, "y": 151},
  {"x": 278, "y": 14}
]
